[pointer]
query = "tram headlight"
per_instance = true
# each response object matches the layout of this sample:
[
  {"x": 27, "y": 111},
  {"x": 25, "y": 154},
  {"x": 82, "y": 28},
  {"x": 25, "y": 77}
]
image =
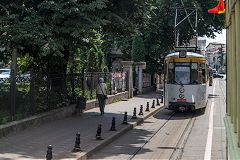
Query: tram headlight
[
  {"x": 181, "y": 96},
  {"x": 181, "y": 90}
]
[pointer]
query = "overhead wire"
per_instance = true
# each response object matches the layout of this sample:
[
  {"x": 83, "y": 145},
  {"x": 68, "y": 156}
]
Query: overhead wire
[{"x": 187, "y": 15}]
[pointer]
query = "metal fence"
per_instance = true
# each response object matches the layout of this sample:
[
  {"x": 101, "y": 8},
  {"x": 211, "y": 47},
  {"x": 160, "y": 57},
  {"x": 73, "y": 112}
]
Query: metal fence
[{"x": 37, "y": 93}]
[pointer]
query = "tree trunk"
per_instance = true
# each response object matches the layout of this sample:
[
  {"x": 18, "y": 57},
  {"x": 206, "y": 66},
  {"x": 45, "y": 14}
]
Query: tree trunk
[
  {"x": 13, "y": 81},
  {"x": 58, "y": 77}
]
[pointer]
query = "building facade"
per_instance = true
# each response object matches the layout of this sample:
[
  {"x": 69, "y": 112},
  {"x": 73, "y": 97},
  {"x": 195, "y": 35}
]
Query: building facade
[
  {"x": 216, "y": 56},
  {"x": 232, "y": 118}
]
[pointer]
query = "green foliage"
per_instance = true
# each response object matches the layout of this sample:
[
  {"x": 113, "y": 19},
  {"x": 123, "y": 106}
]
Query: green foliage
[
  {"x": 158, "y": 31},
  {"x": 50, "y": 31},
  {"x": 89, "y": 57},
  {"x": 138, "y": 50},
  {"x": 110, "y": 43}
]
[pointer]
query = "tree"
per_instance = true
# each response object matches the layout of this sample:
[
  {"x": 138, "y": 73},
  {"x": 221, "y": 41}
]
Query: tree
[
  {"x": 158, "y": 31},
  {"x": 138, "y": 50},
  {"x": 50, "y": 30}
]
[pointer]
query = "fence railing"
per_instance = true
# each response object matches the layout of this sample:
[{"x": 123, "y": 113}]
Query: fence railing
[{"x": 37, "y": 93}]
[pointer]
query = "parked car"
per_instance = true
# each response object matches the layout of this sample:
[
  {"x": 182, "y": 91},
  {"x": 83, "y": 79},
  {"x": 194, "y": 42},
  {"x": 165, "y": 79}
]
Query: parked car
[
  {"x": 217, "y": 75},
  {"x": 5, "y": 73}
]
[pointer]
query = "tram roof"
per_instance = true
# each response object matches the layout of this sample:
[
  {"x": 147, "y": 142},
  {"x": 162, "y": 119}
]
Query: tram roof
[{"x": 189, "y": 54}]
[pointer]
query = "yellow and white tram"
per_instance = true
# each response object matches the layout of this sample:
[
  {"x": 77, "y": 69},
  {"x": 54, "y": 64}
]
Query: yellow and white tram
[{"x": 185, "y": 84}]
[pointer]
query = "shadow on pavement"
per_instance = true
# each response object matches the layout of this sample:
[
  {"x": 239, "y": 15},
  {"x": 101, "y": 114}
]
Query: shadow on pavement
[{"x": 32, "y": 143}]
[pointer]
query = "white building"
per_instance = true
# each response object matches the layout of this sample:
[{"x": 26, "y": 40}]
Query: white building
[{"x": 214, "y": 56}]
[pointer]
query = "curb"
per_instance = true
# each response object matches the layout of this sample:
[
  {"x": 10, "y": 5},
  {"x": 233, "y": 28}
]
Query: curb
[{"x": 111, "y": 138}]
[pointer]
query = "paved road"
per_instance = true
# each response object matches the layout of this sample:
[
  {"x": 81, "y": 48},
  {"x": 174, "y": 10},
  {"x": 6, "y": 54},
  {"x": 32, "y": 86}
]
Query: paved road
[
  {"x": 196, "y": 145},
  {"x": 160, "y": 146},
  {"x": 202, "y": 140}
]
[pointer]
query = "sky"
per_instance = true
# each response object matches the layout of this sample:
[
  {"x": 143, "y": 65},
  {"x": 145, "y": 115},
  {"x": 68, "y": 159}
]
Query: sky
[{"x": 220, "y": 38}]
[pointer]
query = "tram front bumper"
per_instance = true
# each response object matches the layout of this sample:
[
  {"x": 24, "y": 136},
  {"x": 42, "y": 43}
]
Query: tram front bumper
[{"x": 182, "y": 106}]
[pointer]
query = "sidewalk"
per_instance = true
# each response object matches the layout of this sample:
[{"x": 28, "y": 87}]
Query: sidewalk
[{"x": 61, "y": 134}]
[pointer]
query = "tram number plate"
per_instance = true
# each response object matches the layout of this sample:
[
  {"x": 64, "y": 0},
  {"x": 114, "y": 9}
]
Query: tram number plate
[{"x": 181, "y": 100}]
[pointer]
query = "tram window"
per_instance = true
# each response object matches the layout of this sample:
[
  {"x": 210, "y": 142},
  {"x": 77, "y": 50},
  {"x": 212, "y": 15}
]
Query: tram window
[
  {"x": 202, "y": 77},
  {"x": 170, "y": 77},
  {"x": 200, "y": 73},
  {"x": 182, "y": 74},
  {"x": 194, "y": 73},
  {"x": 203, "y": 73}
]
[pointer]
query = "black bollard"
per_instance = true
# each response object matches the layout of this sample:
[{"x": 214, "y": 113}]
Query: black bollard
[
  {"x": 158, "y": 104},
  {"x": 113, "y": 127},
  {"x": 49, "y": 152},
  {"x": 99, "y": 131},
  {"x": 153, "y": 104},
  {"x": 147, "y": 107},
  {"x": 141, "y": 110},
  {"x": 162, "y": 99},
  {"x": 125, "y": 118},
  {"x": 77, "y": 147},
  {"x": 134, "y": 113}
]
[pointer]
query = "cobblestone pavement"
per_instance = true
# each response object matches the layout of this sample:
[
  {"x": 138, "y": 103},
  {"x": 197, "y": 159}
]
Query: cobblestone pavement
[{"x": 32, "y": 143}]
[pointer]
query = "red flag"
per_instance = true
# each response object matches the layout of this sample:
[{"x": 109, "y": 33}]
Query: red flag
[{"x": 219, "y": 9}]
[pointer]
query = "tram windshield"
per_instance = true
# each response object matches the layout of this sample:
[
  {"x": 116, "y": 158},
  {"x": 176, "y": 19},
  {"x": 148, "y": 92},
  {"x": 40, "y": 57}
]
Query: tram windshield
[{"x": 182, "y": 75}]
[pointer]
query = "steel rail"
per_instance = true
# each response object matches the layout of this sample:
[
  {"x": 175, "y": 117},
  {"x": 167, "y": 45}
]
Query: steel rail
[
  {"x": 182, "y": 136},
  {"x": 139, "y": 148}
]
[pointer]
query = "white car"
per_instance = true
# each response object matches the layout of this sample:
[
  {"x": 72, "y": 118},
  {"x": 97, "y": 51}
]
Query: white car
[{"x": 5, "y": 73}]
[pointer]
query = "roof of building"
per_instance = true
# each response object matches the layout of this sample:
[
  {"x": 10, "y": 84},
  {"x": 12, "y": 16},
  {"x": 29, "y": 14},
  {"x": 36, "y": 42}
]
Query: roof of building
[
  {"x": 216, "y": 51},
  {"x": 215, "y": 43}
]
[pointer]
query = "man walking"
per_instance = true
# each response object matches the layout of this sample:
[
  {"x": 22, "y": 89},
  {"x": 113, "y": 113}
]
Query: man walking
[{"x": 101, "y": 94}]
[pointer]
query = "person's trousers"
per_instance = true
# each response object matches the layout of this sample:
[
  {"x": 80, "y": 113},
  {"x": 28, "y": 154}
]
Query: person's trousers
[{"x": 101, "y": 101}]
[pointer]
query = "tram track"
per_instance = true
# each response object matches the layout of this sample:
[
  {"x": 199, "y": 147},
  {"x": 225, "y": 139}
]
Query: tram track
[
  {"x": 177, "y": 153},
  {"x": 177, "y": 149}
]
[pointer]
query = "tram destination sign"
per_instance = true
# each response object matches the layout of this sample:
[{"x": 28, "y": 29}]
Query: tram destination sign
[{"x": 182, "y": 54}]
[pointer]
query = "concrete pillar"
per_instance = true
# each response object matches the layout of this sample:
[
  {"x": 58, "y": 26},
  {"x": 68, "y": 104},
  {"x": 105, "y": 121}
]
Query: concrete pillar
[
  {"x": 140, "y": 79},
  {"x": 237, "y": 18},
  {"x": 140, "y": 66},
  {"x": 127, "y": 67}
]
